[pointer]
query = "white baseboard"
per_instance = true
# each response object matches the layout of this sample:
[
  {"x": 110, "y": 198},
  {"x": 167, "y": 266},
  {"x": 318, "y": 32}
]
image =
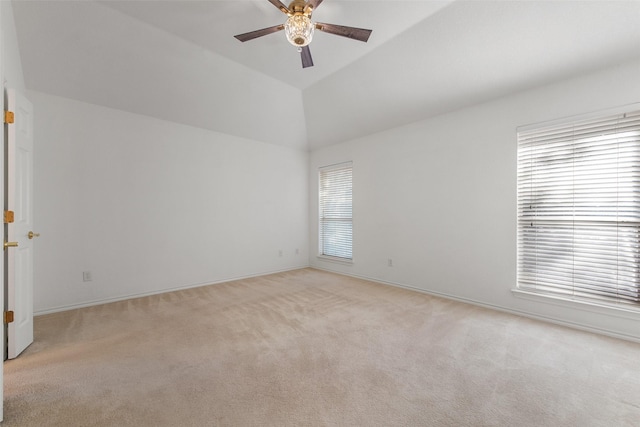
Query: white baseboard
[
  {"x": 162, "y": 291},
  {"x": 527, "y": 314}
]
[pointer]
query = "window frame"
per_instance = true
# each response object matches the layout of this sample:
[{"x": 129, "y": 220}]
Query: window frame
[
  {"x": 576, "y": 297},
  {"x": 321, "y": 216}
]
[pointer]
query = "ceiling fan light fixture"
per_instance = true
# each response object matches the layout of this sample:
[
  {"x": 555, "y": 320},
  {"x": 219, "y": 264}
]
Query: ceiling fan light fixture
[{"x": 299, "y": 29}]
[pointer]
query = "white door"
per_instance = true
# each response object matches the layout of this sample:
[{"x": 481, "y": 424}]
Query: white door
[{"x": 19, "y": 199}]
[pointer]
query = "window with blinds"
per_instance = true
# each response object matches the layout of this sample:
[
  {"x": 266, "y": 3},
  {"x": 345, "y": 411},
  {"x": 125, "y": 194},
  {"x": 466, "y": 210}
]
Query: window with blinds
[
  {"x": 336, "y": 222},
  {"x": 579, "y": 209}
]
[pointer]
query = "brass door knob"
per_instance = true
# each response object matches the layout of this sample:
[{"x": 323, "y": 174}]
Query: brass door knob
[
  {"x": 10, "y": 244},
  {"x": 31, "y": 235}
]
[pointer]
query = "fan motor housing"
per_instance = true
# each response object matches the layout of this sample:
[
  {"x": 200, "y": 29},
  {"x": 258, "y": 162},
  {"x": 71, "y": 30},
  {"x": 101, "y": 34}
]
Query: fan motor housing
[{"x": 297, "y": 6}]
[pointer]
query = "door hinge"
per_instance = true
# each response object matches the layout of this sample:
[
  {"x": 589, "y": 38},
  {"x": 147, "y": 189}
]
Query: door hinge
[
  {"x": 8, "y": 317},
  {"x": 8, "y": 217},
  {"x": 8, "y": 117}
]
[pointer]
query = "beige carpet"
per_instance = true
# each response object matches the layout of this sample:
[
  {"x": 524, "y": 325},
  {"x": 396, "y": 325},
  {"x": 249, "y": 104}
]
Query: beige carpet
[{"x": 310, "y": 348}]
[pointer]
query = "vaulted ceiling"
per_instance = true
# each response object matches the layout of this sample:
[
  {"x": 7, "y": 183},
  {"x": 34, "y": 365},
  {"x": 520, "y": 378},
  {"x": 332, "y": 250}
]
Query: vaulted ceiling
[{"x": 177, "y": 60}]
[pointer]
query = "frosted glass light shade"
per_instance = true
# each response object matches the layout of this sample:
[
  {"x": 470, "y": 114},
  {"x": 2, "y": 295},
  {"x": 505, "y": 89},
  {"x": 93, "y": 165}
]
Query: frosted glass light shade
[{"x": 299, "y": 30}]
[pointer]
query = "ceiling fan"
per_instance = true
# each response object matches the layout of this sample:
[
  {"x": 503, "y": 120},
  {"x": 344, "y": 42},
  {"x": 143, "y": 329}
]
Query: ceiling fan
[{"x": 299, "y": 28}]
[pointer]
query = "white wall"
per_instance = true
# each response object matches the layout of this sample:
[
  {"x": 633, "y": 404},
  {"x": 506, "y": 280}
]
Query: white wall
[
  {"x": 438, "y": 197},
  {"x": 148, "y": 205},
  {"x": 11, "y": 64}
]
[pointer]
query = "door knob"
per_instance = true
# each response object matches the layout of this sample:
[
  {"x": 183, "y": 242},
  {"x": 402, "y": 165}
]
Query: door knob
[
  {"x": 10, "y": 244},
  {"x": 31, "y": 235}
]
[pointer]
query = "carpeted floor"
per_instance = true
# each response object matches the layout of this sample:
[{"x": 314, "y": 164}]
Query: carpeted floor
[{"x": 311, "y": 348}]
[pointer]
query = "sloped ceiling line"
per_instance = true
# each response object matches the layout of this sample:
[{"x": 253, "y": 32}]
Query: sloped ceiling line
[{"x": 177, "y": 60}]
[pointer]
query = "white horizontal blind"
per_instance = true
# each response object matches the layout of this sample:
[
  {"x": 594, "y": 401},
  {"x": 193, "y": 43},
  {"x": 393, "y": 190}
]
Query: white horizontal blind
[
  {"x": 336, "y": 222},
  {"x": 579, "y": 209}
]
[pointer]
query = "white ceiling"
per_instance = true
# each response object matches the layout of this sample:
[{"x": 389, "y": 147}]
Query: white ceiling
[
  {"x": 177, "y": 59},
  {"x": 211, "y": 24}
]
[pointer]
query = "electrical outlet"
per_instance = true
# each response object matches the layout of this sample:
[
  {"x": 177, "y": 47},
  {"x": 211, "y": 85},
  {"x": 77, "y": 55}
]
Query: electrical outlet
[
  {"x": 86, "y": 276},
  {"x": 280, "y": 252},
  {"x": 297, "y": 251},
  {"x": 390, "y": 262}
]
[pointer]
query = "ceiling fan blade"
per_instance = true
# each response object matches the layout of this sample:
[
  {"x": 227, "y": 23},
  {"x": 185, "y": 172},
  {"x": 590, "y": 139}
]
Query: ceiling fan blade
[
  {"x": 340, "y": 30},
  {"x": 279, "y": 5},
  {"x": 305, "y": 54},
  {"x": 313, "y": 3},
  {"x": 259, "y": 33}
]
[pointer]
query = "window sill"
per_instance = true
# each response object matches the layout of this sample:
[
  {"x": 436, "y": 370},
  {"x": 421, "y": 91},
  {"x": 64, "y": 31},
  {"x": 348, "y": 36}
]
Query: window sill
[
  {"x": 337, "y": 260},
  {"x": 623, "y": 311}
]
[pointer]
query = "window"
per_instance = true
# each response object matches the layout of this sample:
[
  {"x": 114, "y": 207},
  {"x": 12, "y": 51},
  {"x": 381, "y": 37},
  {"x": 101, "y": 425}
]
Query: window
[
  {"x": 579, "y": 208},
  {"x": 336, "y": 222}
]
